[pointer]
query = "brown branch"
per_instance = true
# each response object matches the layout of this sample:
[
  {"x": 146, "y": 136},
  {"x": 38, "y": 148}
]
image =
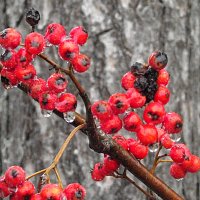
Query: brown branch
[{"x": 110, "y": 147}]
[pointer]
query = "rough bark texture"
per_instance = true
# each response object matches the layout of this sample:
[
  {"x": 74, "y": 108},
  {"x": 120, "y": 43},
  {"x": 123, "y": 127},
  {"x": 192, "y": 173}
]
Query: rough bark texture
[{"x": 121, "y": 32}]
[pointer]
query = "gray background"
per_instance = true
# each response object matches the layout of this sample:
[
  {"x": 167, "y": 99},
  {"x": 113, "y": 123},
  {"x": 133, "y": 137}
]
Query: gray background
[{"x": 121, "y": 32}]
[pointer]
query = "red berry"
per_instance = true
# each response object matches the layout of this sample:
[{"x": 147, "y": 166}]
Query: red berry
[
  {"x": 147, "y": 134},
  {"x": 139, "y": 150},
  {"x": 54, "y": 33},
  {"x": 68, "y": 49},
  {"x": 34, "y": 43},
  {"x": 163, "y": 77},
  {"x": 36, "y": 197},
  {"x": 177, "y": 171},
  {"x": 177, "y": 153},
  {"x": 57, "y": 82},
  {"x": 26, "y": 190},
  {"x": 173, "y": 122},
  {"x": 166, "y": 141},
  {"x": 136, "y": 100},
  {"x": 79, "y": 35},
  {"x": 47, "y": 100},
  {"x": 8, "y": 59},
  {"x": 14, "y": 176},
  {"x": 25, "y": 74},
  {"x": 121, "y": 141},
  {"x": 23, "y": 57},
  {"x": 112, "y": 125},
  {"x": 154, "y": 113},
  {"x": 37, "y": 87},
  {"x": 110, "y": 165},
  {"x": 132, "y": 122},
  {"x": 80, "y": 63},
  {"x": 4, "y": 191},
  {"x": 158, "y": 60},
  {"x": 162, "y": 95},
  {"x": 66, "y": 102},
  {"x": 98, "y": 173},
  {"x": 75, "y": 191},
  {"x": 8, "y": 78},
  {"x": 195, "y": 164},
  {"x": 128, "y": 80},
  {"x": 51, "y": 191},
  {"x": 10, "y": 38},
  {"x": 102, "y": 110},
  {"x": 119, "y": 103}
]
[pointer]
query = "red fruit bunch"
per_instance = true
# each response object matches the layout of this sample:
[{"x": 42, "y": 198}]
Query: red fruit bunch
[{"x": 13, "y": 184}]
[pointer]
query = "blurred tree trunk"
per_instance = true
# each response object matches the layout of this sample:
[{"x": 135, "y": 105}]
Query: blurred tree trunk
[{"x": 121, "y": 32}]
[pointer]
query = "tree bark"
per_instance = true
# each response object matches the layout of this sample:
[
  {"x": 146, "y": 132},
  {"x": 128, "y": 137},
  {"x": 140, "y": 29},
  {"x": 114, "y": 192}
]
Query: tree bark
[{"x": 121, "y": 32}]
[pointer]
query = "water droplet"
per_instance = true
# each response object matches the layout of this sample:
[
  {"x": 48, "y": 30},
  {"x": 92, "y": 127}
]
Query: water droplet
[
  {"x": 153, "y": 147},
  {"x": 69, "y": 117},
  {"x": 179, "y": 179},
  {"x": 46, "y": 113},
  {"x": 175, "y": 137}
]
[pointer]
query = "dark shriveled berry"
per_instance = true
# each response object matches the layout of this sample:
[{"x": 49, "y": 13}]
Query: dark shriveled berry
[
  {"x": 32, "y": 17},
  {"x": 138, "y": 69}
]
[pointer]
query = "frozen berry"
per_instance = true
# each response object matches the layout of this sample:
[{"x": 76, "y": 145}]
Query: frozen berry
[
  {"x": 54, "y": 33},
  {"x": 79, "y": 35},
  {"x": 158, "y": 60},
  {"x": 177, "y": 171},
  {"x": 8, "y": 59},
  {"x": 68, "y": 49},
  {"x": 47, "y": 100},
  {"x": 119, "y": 103},
  {"x": 162, "y": 95},
  {"x": 177, "y": 153},
  {"x": 81, "y": 63},
  {"x": 154, "y": 113},
  {"x": 132, "y": 122},
  {"x": 66, "y": 102},
  {"x": 23, "y": 57},
  {"x": 57, "y": 82},
  {"x": 173, "y": 122},
  {"x": 98, "y": 173},
  {"x": 163, "y": 77},
  {"x": 14, "y": 176},
  {"x": 34, "y": 43},
  {"x": 51, "y": 191},
  {"x": 8, "y": 78},
  {"x": 110, "y": 165},
  {"x": 122, "y": 141},
  {"x": 166, "y": 141},
  {"x": 37, "y": 197},
  {"x": 128, "y": 80},
  {"x": 4, "y": 191}
]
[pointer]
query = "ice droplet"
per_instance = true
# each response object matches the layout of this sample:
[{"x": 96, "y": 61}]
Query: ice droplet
[
  {"x": 69, "y": 117},
  {"x": 179, "y": 179},
  {"x": 46, "y": 113},
  {"x": 153, "y": 147},
  {"x": 175, "y": 137}
]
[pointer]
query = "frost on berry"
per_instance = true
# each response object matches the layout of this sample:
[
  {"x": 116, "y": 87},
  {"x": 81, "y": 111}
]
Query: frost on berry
[{"x": 98, "y": 173}]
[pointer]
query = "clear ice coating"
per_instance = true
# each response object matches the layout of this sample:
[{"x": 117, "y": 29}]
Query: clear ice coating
[
  {"x": 175, "y": 137},
  {"x": 46, "y": 113},
  {"x": 69, "y": 117},
  {"x": 179, "y": 179},
  {"x": 153, "y": 147}
]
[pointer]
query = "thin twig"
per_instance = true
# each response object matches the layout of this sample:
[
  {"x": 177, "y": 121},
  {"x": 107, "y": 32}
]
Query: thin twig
[{"x": 58, "y": 176}]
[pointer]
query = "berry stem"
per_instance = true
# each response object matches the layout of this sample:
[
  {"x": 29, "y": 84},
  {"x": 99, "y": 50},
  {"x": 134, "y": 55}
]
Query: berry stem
[
  {"x": 58, "y": 176},
  {"x": 35, "y": 174},
  {"x": 163, "y": 161}
]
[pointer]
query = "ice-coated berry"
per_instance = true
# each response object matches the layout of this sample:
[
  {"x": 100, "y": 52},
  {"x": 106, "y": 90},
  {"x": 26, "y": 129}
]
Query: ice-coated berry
[
  {"x": 51, "y": 191},
  {"x": 10, "y": 38},
  {"x": 54, "y": 33},
  {"x": 34, "y": 43},
  {"x": 162, "y": 95},
  {"x": 8, "y": 78},
  {"x": 147, "y": 134},
  {"x": 110, "y": 165},
  {"x": 66, "y": 102},
  {"x": 163, "y": 77},
  {"x": 68, "y": 49},
  {"x": 132, "y": 122},
  {"x": 112, "y": 125},
  {"x": 121, "y": 140},
  {"x": 57, "y": 82},
  {"x": 119, "y": 103},
  {"x": 4, "y": 190},
  {"x": 98, "y": 173},
  {"x": 47, "y": 100},
  {"x": 79, "y": 35},
  {"x": 173, "y": 122},
  {"x": 176, "y": 171},
  {"x": 102, "y": 110},
  {"x": 32, "y": 17},
  {"x": 23, "y": 57},
  {"x": 8, "y": 59},
  {"x": 166, "y": 141},
  {"x": 177, "y": 153},
  {"x": 136, "y": 100},
  {"x": 128, "y": 80},
  {"x": 158, "y": 60},
  {"x": 139, "y": 150},
  {"x": 15, "y": 176},
  {"x": 154, "y": 113},
  {"x": 81, "y": 63}
]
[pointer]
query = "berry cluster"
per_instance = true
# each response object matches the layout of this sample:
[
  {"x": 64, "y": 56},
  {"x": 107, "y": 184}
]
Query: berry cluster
[
  {"x": 17, "y": 61},
  {"x": 146, "y": 88},
  {"x": 14, "y": 184}
]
